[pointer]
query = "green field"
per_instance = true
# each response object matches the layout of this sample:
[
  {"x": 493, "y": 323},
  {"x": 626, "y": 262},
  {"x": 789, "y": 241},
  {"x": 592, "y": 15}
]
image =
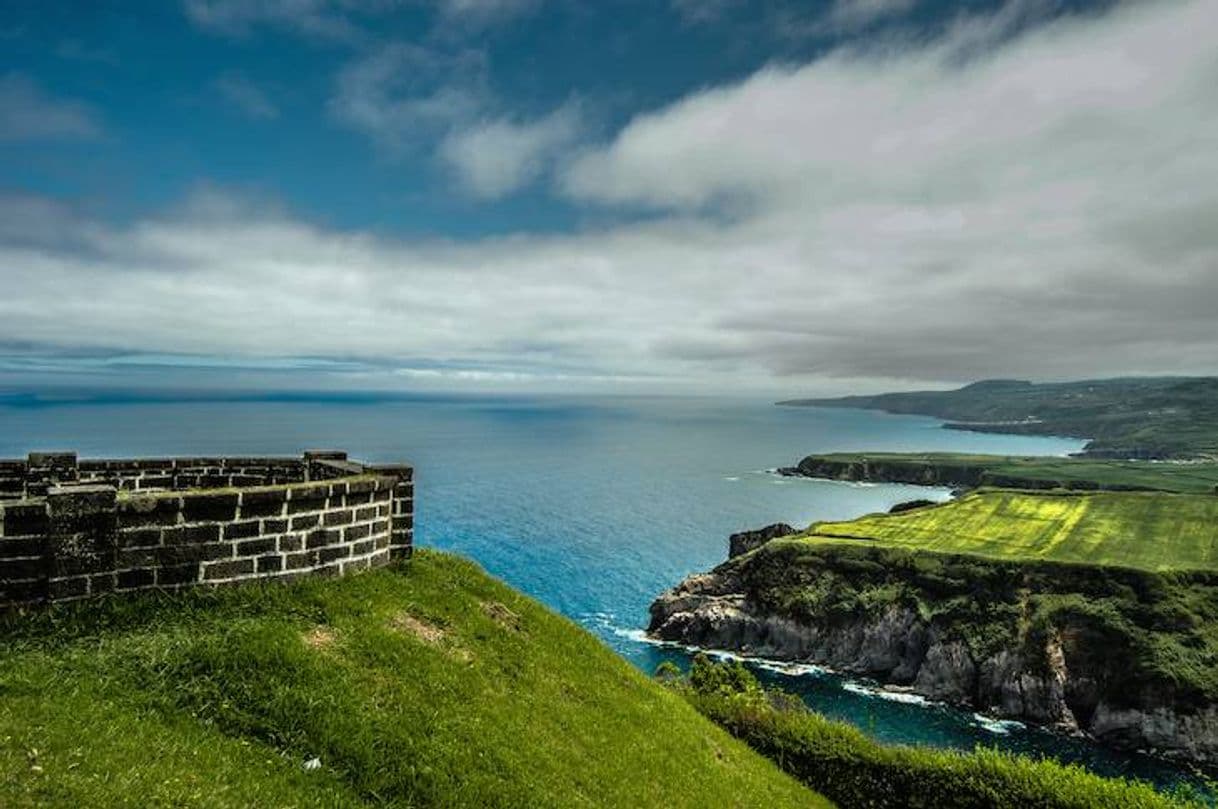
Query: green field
[
  {"x": 428, "y": 684},
  {"x": 1149, "y": 531},
  {"x": 1171, "y": 476}
]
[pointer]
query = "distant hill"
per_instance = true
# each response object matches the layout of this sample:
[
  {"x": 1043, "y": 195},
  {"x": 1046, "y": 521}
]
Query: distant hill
[{"x": 1136, "y": 417}]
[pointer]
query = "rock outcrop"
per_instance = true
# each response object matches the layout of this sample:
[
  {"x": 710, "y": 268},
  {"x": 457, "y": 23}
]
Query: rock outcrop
[{"x": 1066, "y": 675}]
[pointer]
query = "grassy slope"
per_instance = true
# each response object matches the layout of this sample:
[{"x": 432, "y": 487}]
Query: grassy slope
[
  {"x": 1197, "y": 477},
  {"x": 429, "y": 685},
  {"x": 1149, "y": 531}
]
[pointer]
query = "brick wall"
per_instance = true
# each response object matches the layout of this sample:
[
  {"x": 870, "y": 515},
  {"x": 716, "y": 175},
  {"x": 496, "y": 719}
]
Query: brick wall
[{"x": 114, "y": 526}]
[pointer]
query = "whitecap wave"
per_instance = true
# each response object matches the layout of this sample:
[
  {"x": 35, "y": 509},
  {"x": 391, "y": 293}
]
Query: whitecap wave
[
  {"x": 882, "y": 693},
  {"x": 1000, "y": 726}
]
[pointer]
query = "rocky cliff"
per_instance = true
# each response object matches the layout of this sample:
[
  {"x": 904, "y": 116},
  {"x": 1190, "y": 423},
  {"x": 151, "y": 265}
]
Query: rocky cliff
[{"x": 1078, "y": 649}]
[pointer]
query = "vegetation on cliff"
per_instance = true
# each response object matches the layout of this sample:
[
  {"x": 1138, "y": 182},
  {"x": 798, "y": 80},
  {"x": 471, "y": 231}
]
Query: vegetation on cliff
[
  {"x": 1149, "y": 531},
  {"x": 854, "y": 771},
  {"x": 1161, "y": 417},
  {"x": 428, "y": 684},
  {"x": 957, "y": 469}
]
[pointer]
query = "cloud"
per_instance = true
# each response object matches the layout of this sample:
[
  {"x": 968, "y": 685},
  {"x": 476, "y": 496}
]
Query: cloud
[
  {"x": 495, "y": 158},
  {"x": 28, "y": 113},
  {"x": 320, "y": 19},
  {"x": 246, "y": 96},
  {"x": 401, "y": 94},
  {"x": 1041, "y": 209},
  {"x": 852, "y": 15},
  {"x": 486, "y": 10}
]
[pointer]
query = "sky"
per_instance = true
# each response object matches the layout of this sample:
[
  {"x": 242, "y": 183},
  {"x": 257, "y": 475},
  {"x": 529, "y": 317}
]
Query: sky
[{"x": 655, "y": 196}]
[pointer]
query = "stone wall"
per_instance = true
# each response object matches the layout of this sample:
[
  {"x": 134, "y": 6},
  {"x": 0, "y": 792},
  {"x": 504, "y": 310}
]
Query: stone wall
[{"x": 73, "y": 530}]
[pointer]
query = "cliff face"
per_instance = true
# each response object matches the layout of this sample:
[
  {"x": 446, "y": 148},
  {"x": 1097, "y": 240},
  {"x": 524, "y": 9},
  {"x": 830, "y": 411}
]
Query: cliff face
[
  {"x": 939, "y": 473},
  {"x": 1000, "y": 650}
]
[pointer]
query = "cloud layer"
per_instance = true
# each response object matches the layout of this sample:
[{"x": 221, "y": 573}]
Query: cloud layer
[{"x": 930, "y": 212}]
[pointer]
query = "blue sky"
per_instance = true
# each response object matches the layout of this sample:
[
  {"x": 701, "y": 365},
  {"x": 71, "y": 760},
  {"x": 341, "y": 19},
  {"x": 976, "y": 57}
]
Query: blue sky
[{"x": 626, "y": 195}]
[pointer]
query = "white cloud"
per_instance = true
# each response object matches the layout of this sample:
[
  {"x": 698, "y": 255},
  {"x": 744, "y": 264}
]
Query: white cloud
[
  {"x": 336, "y": 20},
  {"x": 246, "y": 96},
  {"x": 401, "y": 93},
  {"x": 1044, "y": 209},
  {"x": 28, "y": 113},
  {"x": 851, "y": 15},
  {"x": 495, "y": 158}
]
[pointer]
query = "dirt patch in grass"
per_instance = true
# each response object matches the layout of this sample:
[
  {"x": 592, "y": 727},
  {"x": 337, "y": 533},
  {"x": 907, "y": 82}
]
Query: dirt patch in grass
[
  {"x": 500, "y": 614},
  {"x": 430, "y": 634},
  {"x": 320, "y": 637}
]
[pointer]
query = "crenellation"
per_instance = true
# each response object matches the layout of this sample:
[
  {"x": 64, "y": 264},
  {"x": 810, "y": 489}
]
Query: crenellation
[{"x": 73, "y": 529}]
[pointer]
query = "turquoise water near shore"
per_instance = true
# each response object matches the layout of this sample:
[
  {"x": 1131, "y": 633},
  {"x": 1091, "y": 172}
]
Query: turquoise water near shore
[{"x": 592, "y": 505}]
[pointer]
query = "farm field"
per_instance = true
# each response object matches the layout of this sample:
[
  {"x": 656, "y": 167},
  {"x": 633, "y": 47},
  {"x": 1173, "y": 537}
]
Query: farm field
[{"x": 1145, "y": 530}]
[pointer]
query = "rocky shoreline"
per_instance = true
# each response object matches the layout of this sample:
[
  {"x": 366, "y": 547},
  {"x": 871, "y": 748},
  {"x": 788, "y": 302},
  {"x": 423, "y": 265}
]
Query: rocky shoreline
[{"x": 1060, "y": 678}]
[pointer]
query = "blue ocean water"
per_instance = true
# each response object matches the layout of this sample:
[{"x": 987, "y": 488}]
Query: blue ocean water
[{"x": 592, "y": 505}]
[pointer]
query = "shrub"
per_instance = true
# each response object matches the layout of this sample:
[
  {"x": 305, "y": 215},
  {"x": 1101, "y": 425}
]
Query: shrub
[{"x": 841, "y": 763}]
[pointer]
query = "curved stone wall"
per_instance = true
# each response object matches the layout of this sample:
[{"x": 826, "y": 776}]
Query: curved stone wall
[{"x": 74, "y": 530}]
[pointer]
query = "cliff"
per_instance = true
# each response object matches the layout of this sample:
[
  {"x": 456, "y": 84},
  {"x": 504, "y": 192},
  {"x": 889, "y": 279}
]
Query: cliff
[{"x": 1118, "y": 654}]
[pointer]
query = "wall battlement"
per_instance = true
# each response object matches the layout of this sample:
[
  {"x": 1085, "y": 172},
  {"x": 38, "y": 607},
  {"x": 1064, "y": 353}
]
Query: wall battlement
[{"x": 73, "y": 529}]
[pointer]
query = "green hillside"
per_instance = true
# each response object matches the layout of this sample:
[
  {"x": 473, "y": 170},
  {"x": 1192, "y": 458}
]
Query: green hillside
[
  {"x": 953, "y": 468},
  {"x": 425, "y": 685},
  {"x": 1148, "y": 417},
  {"x": 1151, "y": 531}
]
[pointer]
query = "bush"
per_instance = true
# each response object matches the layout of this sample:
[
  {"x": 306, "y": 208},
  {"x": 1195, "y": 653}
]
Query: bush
[{"x": 855, "y": 772}]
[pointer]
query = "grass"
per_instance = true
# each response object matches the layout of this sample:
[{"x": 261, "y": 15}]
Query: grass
[
  {"x": 855, "y": 771},
  {"x": 428, "y": 684},
  {"x": 1198, "y": 477},
  {"x": 1149, "y": 531}
]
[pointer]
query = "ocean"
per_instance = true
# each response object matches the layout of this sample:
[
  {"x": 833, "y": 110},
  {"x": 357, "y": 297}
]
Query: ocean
[{"x": 593, "y": 505}]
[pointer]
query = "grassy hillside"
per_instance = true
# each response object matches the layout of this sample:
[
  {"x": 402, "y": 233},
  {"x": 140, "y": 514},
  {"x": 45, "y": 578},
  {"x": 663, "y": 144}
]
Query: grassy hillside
[
  {"x": 1136, "y": 417},
  {"x": 1150, "y": 531},
  {"x": 855, "y": 771},
  {"x": 963, "y": 469},
  {"x": 425, "y": 685}
]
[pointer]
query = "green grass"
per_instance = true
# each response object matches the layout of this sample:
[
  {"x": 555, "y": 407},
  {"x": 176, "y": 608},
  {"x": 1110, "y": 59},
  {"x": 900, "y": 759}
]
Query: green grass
[
  {"x": 428, "y": 684},
  {"x": 855, "y": 771},
  {"x": 1149, "y": 531},
  {"x": 1174, "y": 476}
]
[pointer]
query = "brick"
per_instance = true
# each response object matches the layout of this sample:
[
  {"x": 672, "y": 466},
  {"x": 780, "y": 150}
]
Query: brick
[
  {"x": 191, "y": 534},
  {"x": 263, "y": 502},
  {"x": 74, "y": 587},
  {"x": 363, "y": 548},
  {"x": 320, "y": 537},
  {"x": 209, "y": 507},
  {"x": 274, "y": 526},
  {"x": 334, "y": 552},
  {"x": 291, "y": 543},
  {"x": 304, "y": 559},
  {"x": 24, "y": 519},
  {"x": 333, "y": 518},
  {"x": 270, "y": 564},
  {"x": 365, "y": 514},
  {"x": 22, "y": 592},
  {"x": 380, "y": 527},
  {"x": 25, "y": 546},
  {"x": 22, "y": 568},
  {"x": 102, "y": 583},
  {"x": 227, "y": 570},
  {"x": 139, "y": 537},
  {"x": 131, "y": 579},
  {"x": 254, "y": 547},
  {"x": 178, "y": 574},
  {"x": 353, "y": 532},
  {"x": 309, "y": 492},
  {"x": 242, "y": 530},
  {"x": 148, "y": 509},
  {"x": 198, "y": 552},
  {"x": 306, "y": 522}
]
